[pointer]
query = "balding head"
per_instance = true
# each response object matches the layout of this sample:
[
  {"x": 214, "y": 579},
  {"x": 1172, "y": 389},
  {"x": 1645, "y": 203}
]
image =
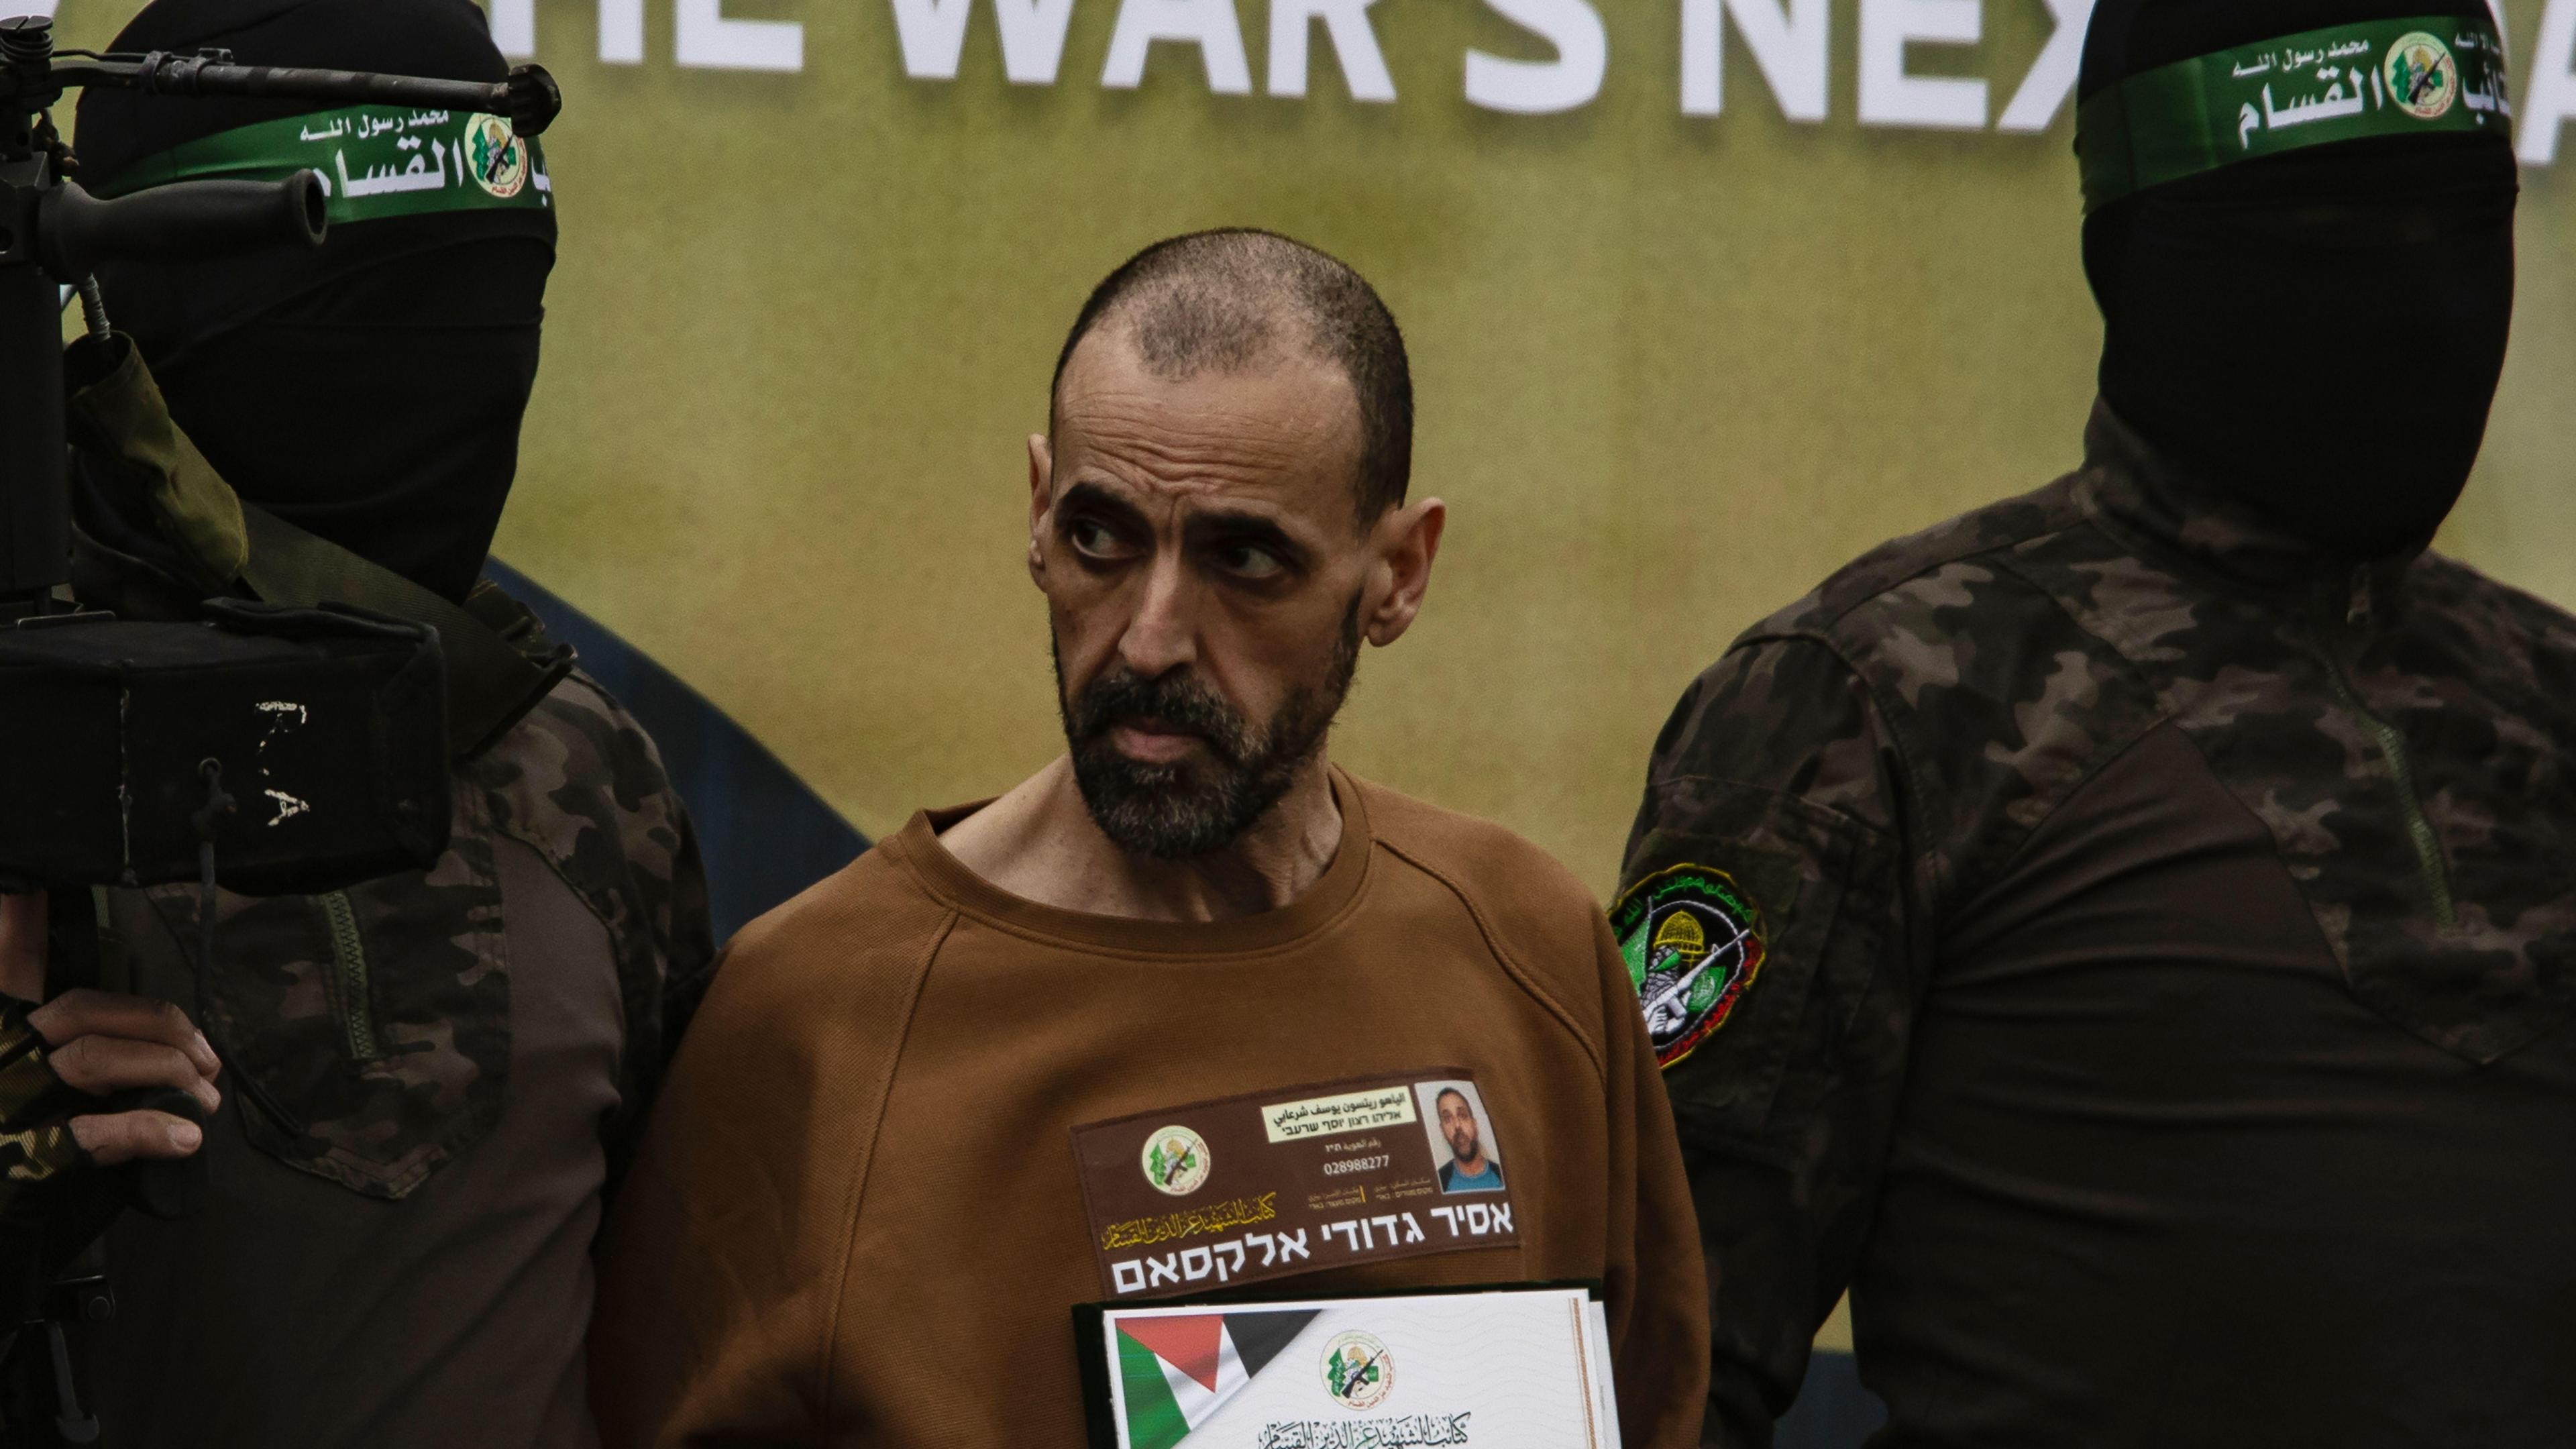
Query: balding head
[
  {"x": 1226, "y": 301},
  {"x": 1221, "y": 402}
]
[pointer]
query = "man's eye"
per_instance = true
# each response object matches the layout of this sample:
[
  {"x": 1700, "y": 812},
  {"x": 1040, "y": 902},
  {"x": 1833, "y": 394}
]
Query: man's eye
[
  {"x": 1251, "y": 561},
  {"x": 1092, "y": 537}
]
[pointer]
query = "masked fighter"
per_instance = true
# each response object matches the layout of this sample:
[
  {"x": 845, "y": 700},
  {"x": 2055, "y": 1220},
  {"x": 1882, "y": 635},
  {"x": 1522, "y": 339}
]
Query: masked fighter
[
  {"x": 422, "y": 1076},
  {"x": 2160, "y": 888},
  {"x": 859, "y": 1215}
]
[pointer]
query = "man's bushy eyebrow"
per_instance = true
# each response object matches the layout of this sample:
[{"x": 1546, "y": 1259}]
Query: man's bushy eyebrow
[
  {"x": 1089, "y": 495},
  {"x": 1247, "y": 527},
  {"x": 1225, "y": 524}
]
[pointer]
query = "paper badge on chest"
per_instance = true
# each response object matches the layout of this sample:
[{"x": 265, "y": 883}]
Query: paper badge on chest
[
  {"x": 1693, "y": 942},
  {"x": 1267, "y": 1184}
]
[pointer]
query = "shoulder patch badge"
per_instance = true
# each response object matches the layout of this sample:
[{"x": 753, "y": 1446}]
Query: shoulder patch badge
[{"x": 1694, "y": 944}]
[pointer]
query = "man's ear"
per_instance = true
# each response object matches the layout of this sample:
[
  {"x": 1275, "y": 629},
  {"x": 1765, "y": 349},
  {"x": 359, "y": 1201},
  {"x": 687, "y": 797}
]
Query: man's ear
[
  {"x": 1041, "y": 498},
  {"x": 1406, "y": 540}
]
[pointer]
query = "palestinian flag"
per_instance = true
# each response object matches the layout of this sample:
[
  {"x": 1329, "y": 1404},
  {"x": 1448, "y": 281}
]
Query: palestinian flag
[{"x": 1178, "y": 1369}]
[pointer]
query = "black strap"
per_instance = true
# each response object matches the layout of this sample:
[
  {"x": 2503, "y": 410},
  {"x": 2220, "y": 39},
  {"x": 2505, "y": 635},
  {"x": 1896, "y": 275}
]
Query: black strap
[{"x": 491, "y": 682}]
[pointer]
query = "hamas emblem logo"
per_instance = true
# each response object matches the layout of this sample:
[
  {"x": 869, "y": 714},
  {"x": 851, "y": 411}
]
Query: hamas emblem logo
[
  {"x": 1176, "y": 1160},
  {"x": 1693, "y": 943},
  {"x": 2422, "y": 78},
  {"x": 1358, "y": 1371},
  {"x": 495, "y": 158}
]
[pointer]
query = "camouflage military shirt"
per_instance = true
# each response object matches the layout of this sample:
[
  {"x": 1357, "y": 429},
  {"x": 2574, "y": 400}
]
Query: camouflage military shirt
[
  {"x": 427, "y": 1079},
  {"x": 2134, "y": 957}
]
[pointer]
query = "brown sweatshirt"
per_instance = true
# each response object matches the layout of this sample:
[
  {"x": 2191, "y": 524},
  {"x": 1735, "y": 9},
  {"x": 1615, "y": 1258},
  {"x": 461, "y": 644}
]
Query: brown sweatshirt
[{"x": 859, "y": 1218}]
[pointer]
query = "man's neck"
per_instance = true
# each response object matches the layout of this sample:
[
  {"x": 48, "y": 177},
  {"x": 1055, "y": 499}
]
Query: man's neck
[
  {"x": 1472, "y": 1166},
  {"x": 1040, "y": 843}
]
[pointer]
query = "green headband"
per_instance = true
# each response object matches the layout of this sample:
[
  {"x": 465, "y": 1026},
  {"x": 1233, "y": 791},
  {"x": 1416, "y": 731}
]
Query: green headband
[
  {"x": 375, "y": 161},
  {"x": 2342, "y": 83}
]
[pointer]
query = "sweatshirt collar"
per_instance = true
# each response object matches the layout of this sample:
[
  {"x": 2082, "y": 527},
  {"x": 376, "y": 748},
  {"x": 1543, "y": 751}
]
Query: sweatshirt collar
[{"x": 918, "y": 849}]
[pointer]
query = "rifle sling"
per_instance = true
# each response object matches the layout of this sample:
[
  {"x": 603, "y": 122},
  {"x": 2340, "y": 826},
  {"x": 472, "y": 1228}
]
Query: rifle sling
[{"x": 491, "y": 683}]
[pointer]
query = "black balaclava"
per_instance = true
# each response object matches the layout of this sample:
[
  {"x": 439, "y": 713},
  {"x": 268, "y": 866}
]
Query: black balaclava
[
  {"x": 369, "y": 391},
  {"x": 2320, "y": 332}
]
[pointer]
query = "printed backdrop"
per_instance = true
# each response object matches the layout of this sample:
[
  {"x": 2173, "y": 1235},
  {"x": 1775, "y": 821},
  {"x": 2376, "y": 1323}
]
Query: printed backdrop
[
  {"x": 1673, "y": 366},
  {"x": 1703, "y": 296}
]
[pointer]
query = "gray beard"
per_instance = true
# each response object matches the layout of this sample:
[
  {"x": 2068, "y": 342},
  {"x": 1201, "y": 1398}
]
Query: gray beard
[{"x": 1190, "y": 808}]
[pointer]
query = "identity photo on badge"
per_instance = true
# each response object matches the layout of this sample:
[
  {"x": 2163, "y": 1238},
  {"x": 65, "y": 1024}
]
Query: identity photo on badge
[{"x": 1462, "y": 1137}]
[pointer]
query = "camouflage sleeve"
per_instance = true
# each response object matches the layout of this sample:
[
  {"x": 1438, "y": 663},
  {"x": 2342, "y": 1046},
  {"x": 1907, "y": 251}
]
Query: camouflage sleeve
[
  {"x": 582, "y": 782},
  {"x": 1763, "y": 914},
  {"x": 674, "y": 959},
  {"x": 693, "y": 957}
]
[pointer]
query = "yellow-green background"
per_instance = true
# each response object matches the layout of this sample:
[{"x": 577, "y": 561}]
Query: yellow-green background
[{"x": 1670, "y": 370}]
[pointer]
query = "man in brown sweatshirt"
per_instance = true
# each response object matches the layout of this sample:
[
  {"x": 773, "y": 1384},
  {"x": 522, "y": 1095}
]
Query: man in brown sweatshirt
[{"x": 1093, "y": 1040}]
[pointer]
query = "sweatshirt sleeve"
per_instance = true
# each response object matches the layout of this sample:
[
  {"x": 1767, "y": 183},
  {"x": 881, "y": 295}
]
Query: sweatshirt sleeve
[
  {"x": 725, "y": 1259},
  {"x": 1764, "y": 913},
  {"x": 1657, "y": 1290}
]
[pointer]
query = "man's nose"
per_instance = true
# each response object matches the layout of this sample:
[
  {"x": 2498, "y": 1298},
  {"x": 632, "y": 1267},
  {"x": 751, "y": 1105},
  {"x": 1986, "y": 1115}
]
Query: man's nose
[{"x": 1163, "y": 634}]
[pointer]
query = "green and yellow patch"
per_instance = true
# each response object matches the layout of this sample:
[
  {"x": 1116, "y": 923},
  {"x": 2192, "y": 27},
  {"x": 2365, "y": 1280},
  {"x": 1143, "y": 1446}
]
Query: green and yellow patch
[{"x": 1693, "y": 942}]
